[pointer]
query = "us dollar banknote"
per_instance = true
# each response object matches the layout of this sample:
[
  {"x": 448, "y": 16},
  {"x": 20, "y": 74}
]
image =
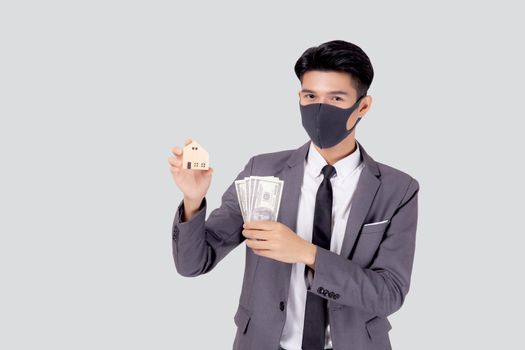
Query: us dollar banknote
[{"x": 259, "y": 197}]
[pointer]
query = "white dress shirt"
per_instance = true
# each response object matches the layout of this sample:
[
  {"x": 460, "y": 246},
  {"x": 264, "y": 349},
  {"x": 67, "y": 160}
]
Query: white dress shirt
[{"x": 344, "y": 182}]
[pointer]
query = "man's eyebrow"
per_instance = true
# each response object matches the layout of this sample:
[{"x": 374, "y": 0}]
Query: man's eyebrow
[{"x": 336, "y": 92}]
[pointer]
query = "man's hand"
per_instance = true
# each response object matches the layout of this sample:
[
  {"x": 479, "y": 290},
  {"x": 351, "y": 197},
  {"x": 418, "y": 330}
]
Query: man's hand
[
  {"x": 275, "y": 240},
  {"x": 192, "y": 183}
]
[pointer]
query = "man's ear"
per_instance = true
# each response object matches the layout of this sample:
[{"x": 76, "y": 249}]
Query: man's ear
[{"x": 368, "y": 102}]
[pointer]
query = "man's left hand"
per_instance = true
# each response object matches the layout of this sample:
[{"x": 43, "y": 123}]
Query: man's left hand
[{"x": 275, "y": 240}]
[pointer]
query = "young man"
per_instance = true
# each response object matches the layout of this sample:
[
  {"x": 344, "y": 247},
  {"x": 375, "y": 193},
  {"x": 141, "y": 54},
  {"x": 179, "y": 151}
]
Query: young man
[{"x": 338, "y": 260}]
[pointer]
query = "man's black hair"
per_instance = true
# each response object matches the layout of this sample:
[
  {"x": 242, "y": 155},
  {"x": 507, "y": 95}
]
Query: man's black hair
[{"x": 338, "y": 55}]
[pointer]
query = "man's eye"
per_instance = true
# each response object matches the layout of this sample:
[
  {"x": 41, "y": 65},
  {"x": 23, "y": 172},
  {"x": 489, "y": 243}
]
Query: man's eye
[
  {"x": 309, "y": 96},
  {"x": 338, "y": 98}
]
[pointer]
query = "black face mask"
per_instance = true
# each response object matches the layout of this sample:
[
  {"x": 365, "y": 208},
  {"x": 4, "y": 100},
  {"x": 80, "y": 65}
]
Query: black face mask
[{"x": 326, "y": 124}]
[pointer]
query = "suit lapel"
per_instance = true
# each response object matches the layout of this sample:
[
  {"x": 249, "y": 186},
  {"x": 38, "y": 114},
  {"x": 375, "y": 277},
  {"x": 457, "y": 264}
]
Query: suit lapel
[
  {"x": 364, "y": 194},
  {"x": 292, "y": 175}
]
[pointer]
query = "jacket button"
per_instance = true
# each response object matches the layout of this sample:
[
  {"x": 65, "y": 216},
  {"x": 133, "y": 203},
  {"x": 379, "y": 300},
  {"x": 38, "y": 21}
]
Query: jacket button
[{"x": 281, "y": 305}]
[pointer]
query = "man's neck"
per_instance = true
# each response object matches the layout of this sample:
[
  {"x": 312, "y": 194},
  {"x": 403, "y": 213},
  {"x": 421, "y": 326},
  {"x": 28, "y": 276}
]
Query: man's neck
[{"x": 339, "y": 151}]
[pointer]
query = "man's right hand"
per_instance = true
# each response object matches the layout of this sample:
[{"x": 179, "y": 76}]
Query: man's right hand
[{"x": 193, "y": 184}]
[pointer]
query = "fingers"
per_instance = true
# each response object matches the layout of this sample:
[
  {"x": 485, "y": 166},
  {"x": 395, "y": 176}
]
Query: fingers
[
  {"x": 174, "y": 162},
  {"x": 175, "y": 165},
  {"x": 259, "y": 225},
  {"x": 177, "y": 151},
  {"x": 256, "y": 234}
]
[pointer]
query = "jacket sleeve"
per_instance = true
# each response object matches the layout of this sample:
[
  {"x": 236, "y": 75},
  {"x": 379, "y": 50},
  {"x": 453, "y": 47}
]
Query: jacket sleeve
[
  {"x": 199, "y": 244},
  {"x": 381, "y": 288}
]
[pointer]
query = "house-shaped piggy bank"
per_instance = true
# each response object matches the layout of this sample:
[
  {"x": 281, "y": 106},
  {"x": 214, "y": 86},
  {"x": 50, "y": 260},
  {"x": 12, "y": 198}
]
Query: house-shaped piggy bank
[{"x": 195, "y": 157}]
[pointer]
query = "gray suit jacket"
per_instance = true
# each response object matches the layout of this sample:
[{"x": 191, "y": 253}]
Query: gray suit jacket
[{"x": 364, "y": 284}]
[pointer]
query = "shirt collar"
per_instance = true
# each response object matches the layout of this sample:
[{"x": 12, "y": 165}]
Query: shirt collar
[{"x": 344, "y": 166}]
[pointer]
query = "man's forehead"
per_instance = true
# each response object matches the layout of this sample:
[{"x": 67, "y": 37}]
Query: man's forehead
[{"x": 328, "y": 82}]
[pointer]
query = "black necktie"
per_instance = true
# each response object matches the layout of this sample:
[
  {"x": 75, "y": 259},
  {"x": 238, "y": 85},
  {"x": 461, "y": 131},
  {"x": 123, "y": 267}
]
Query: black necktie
[{"x": 315, "y": 318}]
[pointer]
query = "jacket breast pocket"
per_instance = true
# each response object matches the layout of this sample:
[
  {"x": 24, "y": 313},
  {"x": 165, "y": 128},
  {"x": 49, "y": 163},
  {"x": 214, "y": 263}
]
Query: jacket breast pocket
[
  {"x": 378, "y": 226},
  {"x": 368, "y": 242},
  {"x": 242, "y": 318}
]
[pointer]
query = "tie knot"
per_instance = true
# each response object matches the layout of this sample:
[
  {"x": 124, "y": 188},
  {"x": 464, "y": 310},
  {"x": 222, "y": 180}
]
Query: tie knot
[{"x": 328, "y": 171}]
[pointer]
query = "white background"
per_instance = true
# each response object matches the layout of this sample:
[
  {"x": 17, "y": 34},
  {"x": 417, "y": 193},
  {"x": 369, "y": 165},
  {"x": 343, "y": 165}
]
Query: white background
[{"x": 94, "y": 94}]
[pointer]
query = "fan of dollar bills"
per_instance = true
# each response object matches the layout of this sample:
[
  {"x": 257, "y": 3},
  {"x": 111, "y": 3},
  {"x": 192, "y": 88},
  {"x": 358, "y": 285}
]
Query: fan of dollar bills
[{"x": 259, "y": 197}]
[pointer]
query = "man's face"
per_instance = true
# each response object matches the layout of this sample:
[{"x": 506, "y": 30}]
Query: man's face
[
  {"x": 330, "y": 87},
  {"x": 335, "y": 88}
]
